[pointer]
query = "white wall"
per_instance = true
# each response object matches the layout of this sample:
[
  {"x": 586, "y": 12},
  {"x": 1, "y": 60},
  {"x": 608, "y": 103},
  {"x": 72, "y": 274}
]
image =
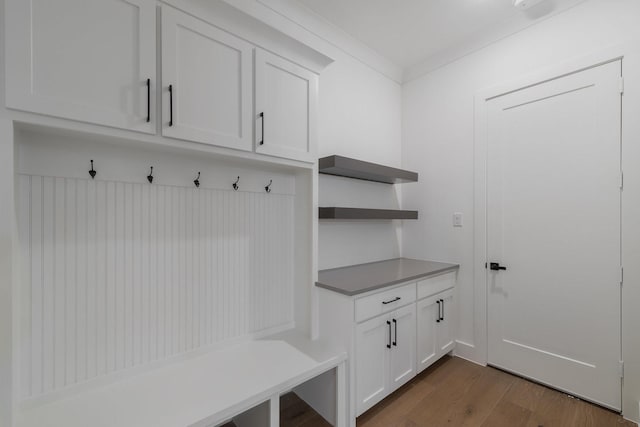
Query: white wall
[
  {"x": 360, "y": 117},
  {"x": 438, "y": 130}
]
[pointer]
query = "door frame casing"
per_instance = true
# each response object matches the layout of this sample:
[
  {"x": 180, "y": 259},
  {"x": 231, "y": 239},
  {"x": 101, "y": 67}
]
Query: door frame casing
[{"x": 630, "y": 61}]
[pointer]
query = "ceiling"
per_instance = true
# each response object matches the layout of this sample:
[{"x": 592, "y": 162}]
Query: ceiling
[{"x": 410, "y": 31}]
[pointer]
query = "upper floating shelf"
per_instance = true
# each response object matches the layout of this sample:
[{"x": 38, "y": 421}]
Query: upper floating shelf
[{"x": 358, "y": 169}]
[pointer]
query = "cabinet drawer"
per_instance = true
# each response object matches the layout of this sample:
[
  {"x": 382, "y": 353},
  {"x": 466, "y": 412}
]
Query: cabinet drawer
[
  {"x": 433, "y": 285},
  {"x": 383, "y": 302}
]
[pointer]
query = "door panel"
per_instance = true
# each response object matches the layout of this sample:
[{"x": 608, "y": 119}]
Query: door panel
[
  {"x": 428, "y": 315},
  {"x": 86, "y": 60},
  {"x": 372, "y": 358},
  {"x": 210, "y": 73},
  {"x": 286, "y": 96},
  {"x": 403, "y": 351},
  {"x": 554, "y": 221},
  {"x": 445, "y": 326}
]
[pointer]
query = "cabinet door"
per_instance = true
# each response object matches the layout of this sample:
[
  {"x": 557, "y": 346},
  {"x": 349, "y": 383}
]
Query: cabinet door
[
  {"x": 86, "y": 60},
  {"x": 445, "y": 326},
  {"x": 207, "y": 83},
  {"x": 286, "y": 108},
  {"x": 427, "y": 340},
  {"x": 402, "y": 364},
  {"x": 373, "y": 342}
]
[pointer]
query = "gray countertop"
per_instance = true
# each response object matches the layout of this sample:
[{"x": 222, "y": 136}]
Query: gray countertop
[{"x": 361, "y": 278}]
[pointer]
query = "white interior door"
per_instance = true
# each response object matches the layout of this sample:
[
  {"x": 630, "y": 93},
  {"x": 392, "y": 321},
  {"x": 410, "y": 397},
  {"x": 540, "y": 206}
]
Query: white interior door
[{"x": 553, "y": 220}]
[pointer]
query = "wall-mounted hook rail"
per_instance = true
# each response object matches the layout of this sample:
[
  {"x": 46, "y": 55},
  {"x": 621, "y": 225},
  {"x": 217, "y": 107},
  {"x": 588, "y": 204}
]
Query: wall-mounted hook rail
[
  {"x": 268, "y": 187},
  {"x": 92, "y": 172},
  {"x": 150, "y": 176},
  {"x": 197, "y": 181},
  {"x": 235, "y": 184}
]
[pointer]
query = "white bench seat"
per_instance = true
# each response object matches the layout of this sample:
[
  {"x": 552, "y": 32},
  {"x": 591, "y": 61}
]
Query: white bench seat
[{"x": 202, "y": 391}]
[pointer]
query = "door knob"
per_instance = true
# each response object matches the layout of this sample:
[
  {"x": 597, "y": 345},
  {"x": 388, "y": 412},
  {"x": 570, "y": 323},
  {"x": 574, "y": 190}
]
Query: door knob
[{"x": 496, "y": 266}]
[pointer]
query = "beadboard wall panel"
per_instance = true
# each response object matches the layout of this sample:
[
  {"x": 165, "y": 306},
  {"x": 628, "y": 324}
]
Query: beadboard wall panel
[{"x": 118, "y": 274}]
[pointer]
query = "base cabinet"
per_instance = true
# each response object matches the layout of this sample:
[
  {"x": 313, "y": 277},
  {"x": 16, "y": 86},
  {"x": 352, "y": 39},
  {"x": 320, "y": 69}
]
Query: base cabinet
[
  {"x": 434, "y": 332},
  {"x": 392, "y": 334},
  {"x": 385, "y": 354}
]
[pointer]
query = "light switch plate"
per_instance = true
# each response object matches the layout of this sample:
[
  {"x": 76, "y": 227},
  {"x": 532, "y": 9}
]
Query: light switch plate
[{"x": 457, "y": 219}]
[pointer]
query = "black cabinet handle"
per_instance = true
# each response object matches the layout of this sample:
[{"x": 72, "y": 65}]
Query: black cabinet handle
[
  {"x": 391, "y": 300},
  {"x": 442, "y": 316},
  {"x": 262, "y": 123},
  {"x": 395, "y": 340},
  {"x": 389, "y": 342},
  {"x": 148, "y": 100},
  {"x": 438, "y": 319},
  {"x": 170, "y": 105}
]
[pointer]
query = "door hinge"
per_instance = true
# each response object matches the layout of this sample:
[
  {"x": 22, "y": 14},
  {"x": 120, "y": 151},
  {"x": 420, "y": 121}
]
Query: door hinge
[
  {"x": 621, "y": 369},
  {"x": 621, "y": 85}
]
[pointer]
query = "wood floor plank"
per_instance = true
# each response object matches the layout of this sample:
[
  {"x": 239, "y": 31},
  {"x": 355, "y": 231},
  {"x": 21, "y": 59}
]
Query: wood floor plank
[
  {"x": 454, "y": 392},
  {"x": 507, "y": 413}
]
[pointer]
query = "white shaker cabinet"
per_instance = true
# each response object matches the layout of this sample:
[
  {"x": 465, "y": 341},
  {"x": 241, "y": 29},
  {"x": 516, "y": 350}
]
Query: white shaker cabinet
[
  {"x": 402, "y": 366},
  {"x": 435, "y": 310},
  {"x": 86, "y": 60},
  {"x": 373, "y": 344},
  {"x": 385, "y": 355},
  {"x": 207, "y": 79},
  {"x": 392, "y": 331},
  {"x": 286, "y": 108}
]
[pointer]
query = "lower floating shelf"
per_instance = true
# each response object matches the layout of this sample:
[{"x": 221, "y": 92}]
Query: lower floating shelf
[{"x": 360, "y": 213}]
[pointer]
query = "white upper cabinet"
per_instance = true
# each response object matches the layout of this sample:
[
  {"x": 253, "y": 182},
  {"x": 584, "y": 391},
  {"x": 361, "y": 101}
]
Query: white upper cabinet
[
  {"x": 86, "y": 60},
  {"x": 207, "y": 83},
  {"x": 286, "y": 108}
]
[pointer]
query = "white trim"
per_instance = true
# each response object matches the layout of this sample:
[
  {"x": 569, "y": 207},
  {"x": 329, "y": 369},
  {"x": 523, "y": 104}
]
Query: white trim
[{"x": 480, "y": 172}]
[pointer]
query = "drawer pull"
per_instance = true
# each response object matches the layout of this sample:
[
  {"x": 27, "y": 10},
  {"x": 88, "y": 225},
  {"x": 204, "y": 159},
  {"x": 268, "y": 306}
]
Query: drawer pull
[{"x": 391, "y": 300}]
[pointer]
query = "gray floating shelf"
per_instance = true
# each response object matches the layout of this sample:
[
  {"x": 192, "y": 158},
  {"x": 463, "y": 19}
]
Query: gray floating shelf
[
  {"x": 352, "y": 168},
  {"x": 360, "y": 213}
]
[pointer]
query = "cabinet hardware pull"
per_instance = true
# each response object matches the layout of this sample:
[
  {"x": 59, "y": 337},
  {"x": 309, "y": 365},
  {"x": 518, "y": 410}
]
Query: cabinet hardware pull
[
  {"x": 395, "y": 339},
  {"x": 262, "y": 123},
  {"x": 391, "y": 300},
  {"x": 389, "y": 343},
  {"x": 438, "y": 319},
  {"x": 170, "y": 105},
  {"x": 442, "y": 315},
  {"x": 148, "y": 100}
]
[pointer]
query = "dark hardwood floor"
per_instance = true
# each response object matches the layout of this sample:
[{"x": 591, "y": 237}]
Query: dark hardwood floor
[{"x": 455, "y": 393}]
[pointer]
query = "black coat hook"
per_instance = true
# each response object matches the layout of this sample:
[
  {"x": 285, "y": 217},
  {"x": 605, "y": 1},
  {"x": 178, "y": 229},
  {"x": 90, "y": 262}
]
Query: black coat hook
[
  {"x": 150, "y": 176},
  {"x": 197, "y": 181},
  {"x": 235, "y": 184},
  {"x": 92, "y": 172},
  {"x": 268, "y": 187}
]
